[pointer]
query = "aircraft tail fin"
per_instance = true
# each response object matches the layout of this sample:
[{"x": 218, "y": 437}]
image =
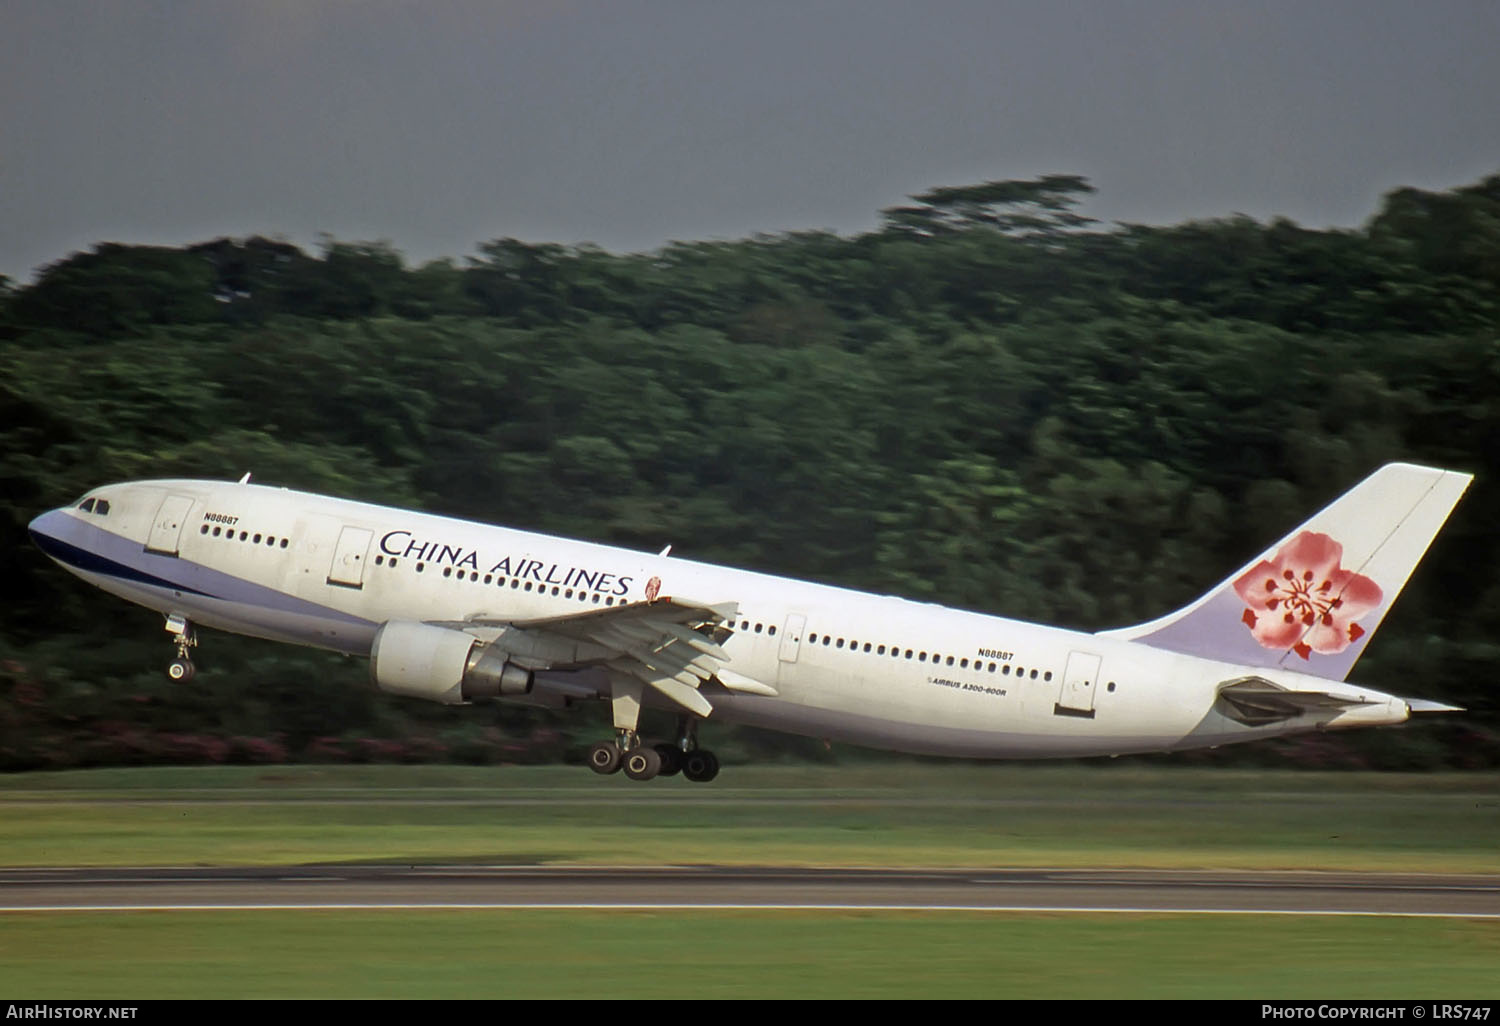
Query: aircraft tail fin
[{"x": 1313, "y": 600}]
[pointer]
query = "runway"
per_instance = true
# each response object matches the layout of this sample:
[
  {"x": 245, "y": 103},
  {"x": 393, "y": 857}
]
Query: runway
[{"x": 723, "y": 887}]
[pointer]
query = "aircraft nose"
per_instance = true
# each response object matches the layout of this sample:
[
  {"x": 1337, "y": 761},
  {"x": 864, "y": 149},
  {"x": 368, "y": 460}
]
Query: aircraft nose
[{"x": 45, "y": 529}]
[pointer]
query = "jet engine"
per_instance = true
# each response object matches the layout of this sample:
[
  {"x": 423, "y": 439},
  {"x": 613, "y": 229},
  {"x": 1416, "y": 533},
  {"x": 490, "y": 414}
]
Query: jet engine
[{"x": 442, "y": 665}]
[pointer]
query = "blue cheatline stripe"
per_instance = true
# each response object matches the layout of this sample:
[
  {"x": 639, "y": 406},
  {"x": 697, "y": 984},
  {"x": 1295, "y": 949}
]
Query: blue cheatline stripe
[{"x": 92, "y": 562}]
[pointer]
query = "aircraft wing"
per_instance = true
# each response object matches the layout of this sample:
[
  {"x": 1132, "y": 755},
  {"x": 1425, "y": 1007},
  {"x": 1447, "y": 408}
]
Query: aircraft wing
[{"x": 672, "y": 645}]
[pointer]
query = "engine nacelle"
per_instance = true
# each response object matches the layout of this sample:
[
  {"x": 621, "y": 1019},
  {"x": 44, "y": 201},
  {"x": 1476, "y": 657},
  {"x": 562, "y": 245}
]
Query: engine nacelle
[{"x": 442, "y": 665}]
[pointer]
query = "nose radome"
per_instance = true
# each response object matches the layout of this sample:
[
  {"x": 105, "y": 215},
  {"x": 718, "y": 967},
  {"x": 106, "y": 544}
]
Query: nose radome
[
  {"x": 42, "y": 525},
  {"x": 47, "y": 532}
]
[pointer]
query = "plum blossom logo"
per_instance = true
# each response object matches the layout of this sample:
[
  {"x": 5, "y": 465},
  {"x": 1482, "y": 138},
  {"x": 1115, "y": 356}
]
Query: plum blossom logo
[
  {"x": 653, "y": 589},
  {"x": 1304, "y": 600}
]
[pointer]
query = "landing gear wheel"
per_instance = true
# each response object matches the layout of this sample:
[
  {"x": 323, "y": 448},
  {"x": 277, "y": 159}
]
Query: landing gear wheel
[
  {"x": 642, "y": 763},
  {"x": 604, "y": 757},
  {"x": 181, "y": 669},
  {"x": 700, "y": 766},
  {"x": 671, "y": 759}
]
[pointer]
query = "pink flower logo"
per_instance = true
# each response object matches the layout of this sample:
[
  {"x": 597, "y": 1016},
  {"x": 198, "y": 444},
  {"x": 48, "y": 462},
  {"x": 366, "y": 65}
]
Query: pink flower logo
[
  {"x": 1304, "y": 600},
  {"x": 653, "y": 589}
]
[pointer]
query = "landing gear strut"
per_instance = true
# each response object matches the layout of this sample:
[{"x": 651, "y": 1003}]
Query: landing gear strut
[
  {"x": 698, "y": 764},
  {"x": 182, "y": 669}
]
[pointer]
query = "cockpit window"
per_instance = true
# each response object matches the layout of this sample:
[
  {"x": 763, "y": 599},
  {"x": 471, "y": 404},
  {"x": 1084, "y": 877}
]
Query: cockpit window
[
  {"x": 102, "y": 507},
  {"x": 87, "y": 505}
]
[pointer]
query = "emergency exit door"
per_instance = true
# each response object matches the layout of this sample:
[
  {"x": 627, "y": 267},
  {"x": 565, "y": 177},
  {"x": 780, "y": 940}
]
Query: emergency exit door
[
  {"x": 348, "y": 567},
  {"x": 791, "y": 637},
  {"x": 166, "y": 529},
  {"x": 1080, "y": 678}
]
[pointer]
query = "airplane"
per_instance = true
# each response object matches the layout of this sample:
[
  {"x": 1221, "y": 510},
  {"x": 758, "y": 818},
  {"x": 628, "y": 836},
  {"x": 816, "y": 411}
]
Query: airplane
[{"x": 457, "y": 612}]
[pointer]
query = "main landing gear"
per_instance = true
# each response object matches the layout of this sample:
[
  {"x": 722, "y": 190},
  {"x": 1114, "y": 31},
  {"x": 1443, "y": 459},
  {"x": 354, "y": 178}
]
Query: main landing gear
[
  {"x": 182, "y": 668},
  {"x": 642, "y": 761}
]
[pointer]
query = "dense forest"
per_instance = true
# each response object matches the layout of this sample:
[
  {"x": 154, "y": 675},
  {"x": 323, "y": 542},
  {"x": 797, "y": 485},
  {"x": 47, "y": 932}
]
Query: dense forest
[{"x": 988, "y": 401}]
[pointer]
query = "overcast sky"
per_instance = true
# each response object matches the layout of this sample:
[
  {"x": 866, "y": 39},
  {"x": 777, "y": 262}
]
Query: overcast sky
[{"x": 439, "y": 124}]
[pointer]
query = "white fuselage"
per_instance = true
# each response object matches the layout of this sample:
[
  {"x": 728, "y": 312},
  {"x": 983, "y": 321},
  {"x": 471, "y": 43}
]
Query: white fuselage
[{"x": 870, "y": 669}]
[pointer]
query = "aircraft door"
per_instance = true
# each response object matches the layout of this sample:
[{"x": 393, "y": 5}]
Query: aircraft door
[
  {"x": 1080, "y": 678},
  {"x": 791, "y": 637},
  {"x": 166, "y": 529},
  {"x": 348, "y": 567}
]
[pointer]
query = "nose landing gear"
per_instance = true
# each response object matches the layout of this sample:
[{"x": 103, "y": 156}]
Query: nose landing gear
[{"x": 182, "y": 669}]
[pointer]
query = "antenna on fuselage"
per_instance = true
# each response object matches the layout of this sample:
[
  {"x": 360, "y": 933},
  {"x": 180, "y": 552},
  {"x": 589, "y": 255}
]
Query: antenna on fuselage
[
  {"x": 666, "y": 551},
  {"x": 245, "y": 479}
]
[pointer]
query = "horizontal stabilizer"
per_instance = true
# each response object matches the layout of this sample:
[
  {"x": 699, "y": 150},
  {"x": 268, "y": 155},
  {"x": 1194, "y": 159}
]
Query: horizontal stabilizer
[
  {"x": 1421, "y": 705},
  {"x": 1255, "y": 701}
]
